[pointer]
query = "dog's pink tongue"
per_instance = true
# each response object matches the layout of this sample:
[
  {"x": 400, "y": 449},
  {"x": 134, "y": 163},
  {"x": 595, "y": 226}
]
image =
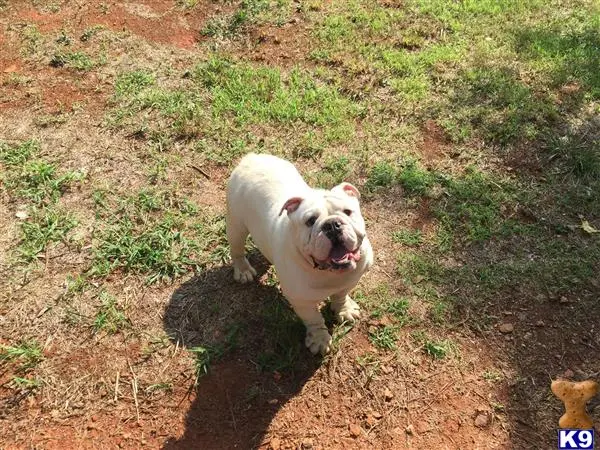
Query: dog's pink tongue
[{"x": 338, "y": 253}]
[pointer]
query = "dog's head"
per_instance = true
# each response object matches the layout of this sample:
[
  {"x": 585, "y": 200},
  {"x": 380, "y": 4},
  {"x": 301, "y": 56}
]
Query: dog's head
[{"x": 328, "y": 227}]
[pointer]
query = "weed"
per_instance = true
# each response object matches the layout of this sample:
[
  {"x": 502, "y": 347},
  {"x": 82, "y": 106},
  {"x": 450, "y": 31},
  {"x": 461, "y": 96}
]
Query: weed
[
  {"x": 474, "y": 206},
  {"x": 225, "y": 27},
  {"x": 25, "y": 383},
  {"x": 45, "y": 226},
  {"x": 385, "y": 337},
  {"x": 491, "y": 375},
  {"x": 110, "y": 316},
  {"x": 438, "y": 349},
  {"x": 27, "y": 353},
  {"x": 207, "y": 354},
  {"x": 131, "y": 83},
  {"x": 88, "y": 33},
  {"x": 414, "y": 179},
  {"x": 165, "y": 386},
  {"x": 76, "y": 284},
  {"x": 370, "y": 364},
  {"x": 382, "y": 174},
  {"x": 435, "y": 349},
  {"x": 187, "y": 4},
  {"x": 399, "y": 309},
  {"x": 33, "y": 39},
  {"x": 417, "y": 266},
  {"x": 408, "y": 237},
  {"x": 149, "y": 233},
  {"x": 286, "y": 334},
  {"x": 334, "y": 171},
  {"x": 262, "y": 94},
  {"x": 33, "y": 179},
  {"x": 76, "y": 60},
  {"x": 17, "y": 155}
]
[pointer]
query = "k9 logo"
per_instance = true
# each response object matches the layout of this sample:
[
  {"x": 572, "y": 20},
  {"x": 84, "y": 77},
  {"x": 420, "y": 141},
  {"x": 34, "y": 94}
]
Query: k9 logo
[{"x": 575, "y": 439}]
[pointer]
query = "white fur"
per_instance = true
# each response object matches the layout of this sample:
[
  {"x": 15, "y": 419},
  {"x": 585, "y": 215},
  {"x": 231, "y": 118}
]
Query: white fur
[{"x": 257, "y": 192}]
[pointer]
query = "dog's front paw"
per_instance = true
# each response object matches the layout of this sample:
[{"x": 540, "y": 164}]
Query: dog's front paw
[
  {"x": 243, "y": 272},
  {"x": 318, "y": 340},
  {"x": 349, "y": 311}
]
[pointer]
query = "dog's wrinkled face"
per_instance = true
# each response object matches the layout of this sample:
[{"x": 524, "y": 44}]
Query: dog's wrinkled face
[{"x": 328, "y": 227}]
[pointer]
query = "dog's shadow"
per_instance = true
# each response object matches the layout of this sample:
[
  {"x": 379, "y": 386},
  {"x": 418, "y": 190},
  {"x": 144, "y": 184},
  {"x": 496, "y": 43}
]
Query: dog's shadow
[{"x": 249, "y": 352}]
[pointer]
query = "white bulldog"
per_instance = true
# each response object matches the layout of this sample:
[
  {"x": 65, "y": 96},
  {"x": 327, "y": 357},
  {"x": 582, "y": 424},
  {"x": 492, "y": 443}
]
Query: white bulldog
[{"x": 315, "y": 239}]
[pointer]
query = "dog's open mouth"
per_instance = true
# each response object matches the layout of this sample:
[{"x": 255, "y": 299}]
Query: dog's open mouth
[{"x": 340, "y": 258}]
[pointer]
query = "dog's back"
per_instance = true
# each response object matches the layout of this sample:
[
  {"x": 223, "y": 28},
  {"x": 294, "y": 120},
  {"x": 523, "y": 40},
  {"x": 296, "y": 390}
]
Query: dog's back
[{"x": 256, "y": 191}]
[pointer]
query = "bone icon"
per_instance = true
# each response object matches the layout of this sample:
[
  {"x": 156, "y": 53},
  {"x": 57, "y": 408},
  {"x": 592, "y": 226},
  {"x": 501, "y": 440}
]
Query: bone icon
[{"x": 575, "y": 396}]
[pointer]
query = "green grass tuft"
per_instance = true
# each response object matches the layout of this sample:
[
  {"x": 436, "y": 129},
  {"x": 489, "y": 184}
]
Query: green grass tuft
[
  {"x": 384, "y": 337},
  {"x": 45, "y": 226},
  {"x": 28, "y": 354},
  {"x": 110, "y": 317},
  {"x": 410, "y": 238}
]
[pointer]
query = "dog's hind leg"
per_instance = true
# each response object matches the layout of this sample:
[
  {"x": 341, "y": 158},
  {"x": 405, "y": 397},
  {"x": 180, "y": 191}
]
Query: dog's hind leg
[{"x": 236, "y": 235}]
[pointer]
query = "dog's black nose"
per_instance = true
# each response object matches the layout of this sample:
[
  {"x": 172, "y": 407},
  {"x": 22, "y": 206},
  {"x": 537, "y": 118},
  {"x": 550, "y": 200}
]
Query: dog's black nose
[{"x": 332, "y": 227}]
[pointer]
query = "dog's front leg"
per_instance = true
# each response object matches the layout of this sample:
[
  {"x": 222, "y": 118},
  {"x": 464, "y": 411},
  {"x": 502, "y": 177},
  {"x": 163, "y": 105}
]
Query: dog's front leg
[
  {"x": 318, "y": 339},
  {"x": 345, "y": 309}
]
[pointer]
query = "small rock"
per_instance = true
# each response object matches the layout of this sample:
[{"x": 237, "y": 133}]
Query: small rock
[
  {"x": 307, "y": 443},
  {"x": 528, "y": 335},
  {"x": 386, "y": 369},
  {"x": 563, "y": 300},
  {"x": 540, "y": 323},
  {"x": 410, "y": 429},
  {"x": 506, "y": 327},
  {"x": 388, "y": 395},
  {"x": 422, "y": 427},
  {"x": 11, "y": 68},
  {"x": 275, "y": 444},
  {"x": 21, "y": 215},
  {"x": 325, "y": 393},
  {"x": 354, "y": 430},
  {"x": 568, "y": 373},
  {"x": 273, "y": 401},
  {"x": 482, "y": 420},
  {"x": 377, "y": 415},
  {"x": 370, "y": 421}
]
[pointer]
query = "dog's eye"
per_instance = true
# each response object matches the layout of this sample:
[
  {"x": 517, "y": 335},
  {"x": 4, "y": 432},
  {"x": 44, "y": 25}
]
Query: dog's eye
[
  {"x": 348, "y": 212},
  {"x": 310, "y": 222}
]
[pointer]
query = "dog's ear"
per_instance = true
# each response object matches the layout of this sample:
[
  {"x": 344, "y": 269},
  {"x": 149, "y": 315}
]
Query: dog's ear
[
  {"x": 347, "y": 189},
  {"x": 291, "y": 205}
]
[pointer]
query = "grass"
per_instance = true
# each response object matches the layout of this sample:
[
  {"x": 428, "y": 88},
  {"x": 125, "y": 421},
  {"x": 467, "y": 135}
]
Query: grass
[
  {"x": 222, "y": 92},
  {"x": 77, "y": 60},
  {"x": 31, "y": 178},
  {"x": 229, "y": 26},
  {"x": 205, "y": 355},
  {"x": 110, "y": 316},
  {"x": 264, "y": 94},
  {"x": 285, "y": 337},
  {"x": 437, "y": 349},
  {"x": 164, "y": 241},
  {"x": 410, "y": 238},
  {"x": 27, "y": 354},
  {"x": 385, "y": 337},
  {"x": 44, "y": 227}
]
